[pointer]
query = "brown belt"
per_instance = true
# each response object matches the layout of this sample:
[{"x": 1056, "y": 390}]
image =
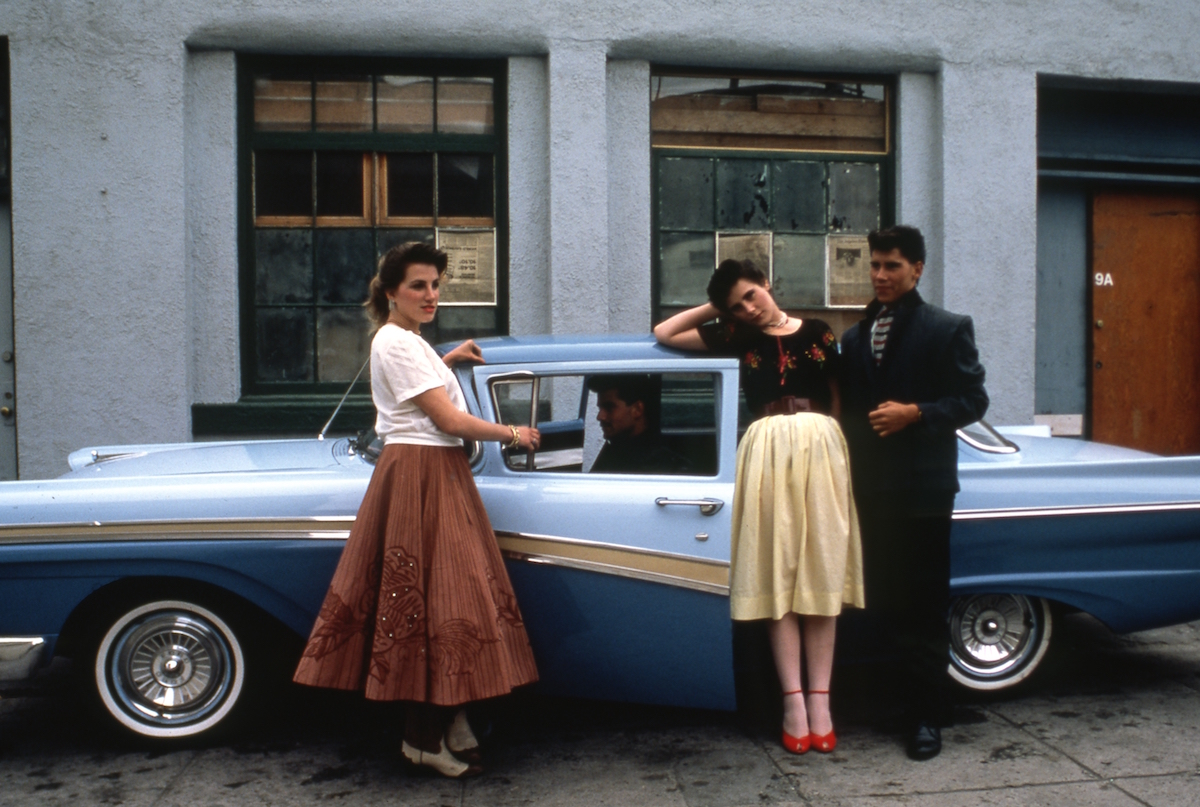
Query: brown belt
[{"x": 787, "y": 405}]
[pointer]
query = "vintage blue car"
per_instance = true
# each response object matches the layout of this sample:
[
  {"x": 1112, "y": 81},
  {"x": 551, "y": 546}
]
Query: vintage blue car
[{"x": 165, "y": 571}]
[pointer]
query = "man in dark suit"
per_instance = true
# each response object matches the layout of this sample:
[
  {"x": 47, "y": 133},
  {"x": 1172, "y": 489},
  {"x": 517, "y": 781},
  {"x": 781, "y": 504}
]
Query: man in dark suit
[
  {"x": 910, "y": 377},
  {"x": 627, "y": 411}
]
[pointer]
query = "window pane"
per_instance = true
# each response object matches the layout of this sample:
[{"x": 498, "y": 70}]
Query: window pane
[
  {"x": 405, "y": 103},
  {"x": 743, "y": 195},
  {"x": 283, "y": 266},
  {"x": 799, "y": 195},
  {"x": 687, "y": 263},
  {"x": 282, "y": 104},
  {"x": 853, "y": 197},
  {"x": 344, "y": 104},
  {"x": 685, "y": 193},
  {"x": 345, "y": 264},
  {"x": 285, "y": 351},
  {"x": 753, "y": 247},
  {"x": 410, "y": 185},
  {"x": 465, "y": 185},
  {"x": 799, "y": 279},
  {"x": 283, "y": 183},
  {"x": 767, "y": 113},
  {"x": 340, "y": 183},
  {"x": 343, "y": 343},
  {"x": 386, "y": 239},
  {"x": 464, "y": 105},
  {"x": 463, "y": 322}
]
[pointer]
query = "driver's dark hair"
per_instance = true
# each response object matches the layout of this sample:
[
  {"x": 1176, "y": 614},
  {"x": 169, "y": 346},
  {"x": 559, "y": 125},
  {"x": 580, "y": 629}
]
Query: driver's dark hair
[
  {"x": 907, "y": 239},
  {"x": 631, "y": 388},
  {"x": 726, "y": 276},
  {"x": 391, "y": 270}
]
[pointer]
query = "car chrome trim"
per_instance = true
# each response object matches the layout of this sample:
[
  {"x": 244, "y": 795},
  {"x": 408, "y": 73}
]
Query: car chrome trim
[
  {"x": 1073, "y": 510},
  {"x": 209, "y": 529},
  {"x": 681, "y": 571},
  {"x": 20, "y": 656}
]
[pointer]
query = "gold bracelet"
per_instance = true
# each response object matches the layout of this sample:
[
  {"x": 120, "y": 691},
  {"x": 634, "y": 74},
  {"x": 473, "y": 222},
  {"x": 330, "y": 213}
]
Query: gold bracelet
[{"x": 516, "y": 437}]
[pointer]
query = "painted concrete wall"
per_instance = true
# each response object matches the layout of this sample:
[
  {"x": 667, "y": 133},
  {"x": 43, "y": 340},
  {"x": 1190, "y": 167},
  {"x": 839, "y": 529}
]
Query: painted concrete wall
[{"x": 123, "y": 157}]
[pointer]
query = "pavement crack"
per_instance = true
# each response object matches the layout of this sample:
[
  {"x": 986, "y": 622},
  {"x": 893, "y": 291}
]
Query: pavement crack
[{"x": 174, "y": 780}]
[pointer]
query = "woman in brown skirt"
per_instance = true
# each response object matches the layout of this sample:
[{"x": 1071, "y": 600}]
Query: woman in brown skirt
[{"x": 420, "y": 608}]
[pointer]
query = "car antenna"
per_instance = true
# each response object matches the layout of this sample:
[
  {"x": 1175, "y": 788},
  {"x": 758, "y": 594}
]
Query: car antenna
[{"x": 338, "y": 408}]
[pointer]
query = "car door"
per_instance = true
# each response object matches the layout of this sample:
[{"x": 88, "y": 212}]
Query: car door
[{"x": 622, "y": 577}]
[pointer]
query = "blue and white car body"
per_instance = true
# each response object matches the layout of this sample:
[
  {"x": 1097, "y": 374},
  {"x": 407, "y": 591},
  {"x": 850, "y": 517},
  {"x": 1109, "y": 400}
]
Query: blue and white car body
[{"x": 160, "y": 567}]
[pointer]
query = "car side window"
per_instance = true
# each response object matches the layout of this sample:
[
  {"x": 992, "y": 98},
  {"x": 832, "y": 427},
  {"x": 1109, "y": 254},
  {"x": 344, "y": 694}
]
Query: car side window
[{"x": 613, "y": 423}]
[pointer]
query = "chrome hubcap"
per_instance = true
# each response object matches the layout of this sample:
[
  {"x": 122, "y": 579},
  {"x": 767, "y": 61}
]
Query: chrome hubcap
[
  {"x": 991, "y": 633},
  {"x": 171, "y": 667}
]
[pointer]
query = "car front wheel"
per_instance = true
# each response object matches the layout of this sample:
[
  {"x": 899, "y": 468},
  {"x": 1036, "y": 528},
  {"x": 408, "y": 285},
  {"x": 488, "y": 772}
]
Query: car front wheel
[
  {"x": 169, "y": 669},
  {"x": 997, "y": 640}
]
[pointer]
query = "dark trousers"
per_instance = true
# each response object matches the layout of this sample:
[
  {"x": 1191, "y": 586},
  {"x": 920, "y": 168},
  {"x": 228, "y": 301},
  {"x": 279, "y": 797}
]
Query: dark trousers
[{"x": 906, "y": 566}]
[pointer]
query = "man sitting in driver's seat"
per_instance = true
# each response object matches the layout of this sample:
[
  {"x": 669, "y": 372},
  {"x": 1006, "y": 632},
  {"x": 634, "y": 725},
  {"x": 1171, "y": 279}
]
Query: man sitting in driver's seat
[{"x": 628, "y": 416}]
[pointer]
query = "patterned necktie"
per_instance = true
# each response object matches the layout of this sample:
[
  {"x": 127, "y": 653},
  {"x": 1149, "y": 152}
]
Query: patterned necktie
[{"x": 879, "y": 334}]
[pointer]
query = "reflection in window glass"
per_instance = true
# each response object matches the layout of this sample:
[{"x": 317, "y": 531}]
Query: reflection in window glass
[
  {"x": 344, "y": 104},
  {"x": 464, "y": 106},
  {"x": 685, "y": 195},
  {"x": 282, "y": 104},
  {"x": 283, "y": 183},
  {"x": 799, "y": 188},
  {"x": 394, "y": 237},
  {"x": 404, "y": 104},
  {"x": 743, "y": 195},
  {"x": 687, "y": 262},
  {"x": 799, "y": 270},
  {"x": 410, "y": 185},
  {"x": 464, "y": 185},
  {"x": 345, "y": 263},
  {"x": 283, "y": 266},
  {"x": 344, "y": 336},
  {"x": 340, "y": 184},
  {"x": 854, "y": 197},
  {"x": 285, "y": 339}
]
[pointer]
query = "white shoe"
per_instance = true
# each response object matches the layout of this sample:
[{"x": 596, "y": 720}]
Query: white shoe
[
  {"x": 460, "y": 739},
  {"x": 443, "y": 762}
]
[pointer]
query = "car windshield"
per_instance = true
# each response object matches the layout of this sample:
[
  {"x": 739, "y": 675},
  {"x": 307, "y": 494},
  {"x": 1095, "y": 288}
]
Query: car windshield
[{"x": 982, "y": 436}]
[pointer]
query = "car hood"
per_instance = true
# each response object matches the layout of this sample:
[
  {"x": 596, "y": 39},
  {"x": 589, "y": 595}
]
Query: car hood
[{"x": 174, "y": 459}]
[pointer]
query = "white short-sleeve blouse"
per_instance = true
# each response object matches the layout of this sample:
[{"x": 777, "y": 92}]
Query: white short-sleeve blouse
[{"x": 403, "y": 365}]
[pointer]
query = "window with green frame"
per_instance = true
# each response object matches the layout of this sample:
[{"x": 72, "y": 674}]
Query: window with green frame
[
  {"x": 342, "y": 159},
  {"x": 790, "y": 172}
]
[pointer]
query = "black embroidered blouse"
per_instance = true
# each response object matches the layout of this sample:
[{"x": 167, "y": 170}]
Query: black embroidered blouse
[{"x": 801, "y": 364}]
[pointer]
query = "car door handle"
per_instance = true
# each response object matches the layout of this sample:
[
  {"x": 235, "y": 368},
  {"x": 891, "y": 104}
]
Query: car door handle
[{"x": 707, "y": 507}]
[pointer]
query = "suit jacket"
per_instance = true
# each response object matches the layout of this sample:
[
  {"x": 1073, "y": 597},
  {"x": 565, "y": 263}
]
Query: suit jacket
[{"x": 930, "y": 360}]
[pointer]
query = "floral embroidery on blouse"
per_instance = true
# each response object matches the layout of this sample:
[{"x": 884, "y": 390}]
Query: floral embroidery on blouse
[
  {"x": 786, "y": 362},
  {"x": 816, "y": 354},
  {"x": 753, "y": 360},
  {"x": 828, "y": 338}
]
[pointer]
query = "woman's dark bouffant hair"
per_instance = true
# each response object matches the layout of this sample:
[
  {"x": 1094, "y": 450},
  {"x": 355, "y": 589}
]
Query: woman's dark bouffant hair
[
  {"x": 393, "y": 266},
  {"x": 728, "y": 273}
]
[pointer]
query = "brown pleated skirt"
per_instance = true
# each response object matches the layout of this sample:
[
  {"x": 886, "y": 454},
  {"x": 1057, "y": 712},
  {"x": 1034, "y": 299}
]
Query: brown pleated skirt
[{"x": 420, "y": 607}]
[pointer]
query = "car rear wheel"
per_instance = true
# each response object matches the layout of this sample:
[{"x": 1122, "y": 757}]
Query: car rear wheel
[
  {"x": 169, "y": 669},
  {"x": 997, "y": 640}
]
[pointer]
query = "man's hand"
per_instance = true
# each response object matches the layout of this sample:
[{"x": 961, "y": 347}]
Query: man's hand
[
  {"x": 890, "y": 417},
  {"x": 468, "y": 351}
]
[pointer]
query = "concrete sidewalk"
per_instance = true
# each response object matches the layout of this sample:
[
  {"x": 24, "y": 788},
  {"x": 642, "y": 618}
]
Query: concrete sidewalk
[{"x": 1116, "y": 723}]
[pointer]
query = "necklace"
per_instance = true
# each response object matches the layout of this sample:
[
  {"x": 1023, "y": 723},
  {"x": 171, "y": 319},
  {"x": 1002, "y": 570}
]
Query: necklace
[{"x": 782, "y": 321}]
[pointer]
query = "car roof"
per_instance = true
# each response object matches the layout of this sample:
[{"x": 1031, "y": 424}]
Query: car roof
[{"x": 570, "y": 347}]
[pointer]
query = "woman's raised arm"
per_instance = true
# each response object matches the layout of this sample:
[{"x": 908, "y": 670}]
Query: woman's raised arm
[{"x": 683, "y": 329}]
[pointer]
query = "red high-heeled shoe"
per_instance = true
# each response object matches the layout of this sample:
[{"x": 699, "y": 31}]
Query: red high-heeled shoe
[
  {"x": 825, "y": 743},
  {"x": 796, "y": 745}
]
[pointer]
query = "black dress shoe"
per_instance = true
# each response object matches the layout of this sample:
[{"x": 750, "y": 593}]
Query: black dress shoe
[{"x": 925, "y": 742}]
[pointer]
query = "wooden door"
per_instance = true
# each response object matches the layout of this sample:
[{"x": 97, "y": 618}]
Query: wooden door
[{"x": 1145, "y": 379}]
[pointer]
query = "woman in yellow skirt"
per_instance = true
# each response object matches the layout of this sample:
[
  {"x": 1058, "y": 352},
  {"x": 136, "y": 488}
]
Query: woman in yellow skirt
[{"x": 795, "y": 549}]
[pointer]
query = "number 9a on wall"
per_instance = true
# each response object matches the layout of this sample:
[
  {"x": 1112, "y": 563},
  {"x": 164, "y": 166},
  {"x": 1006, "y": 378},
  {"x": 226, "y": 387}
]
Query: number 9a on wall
[{"x": 1103, "y": 279}]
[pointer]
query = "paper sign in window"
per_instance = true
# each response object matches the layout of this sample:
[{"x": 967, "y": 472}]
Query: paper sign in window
[
  {"x": 470, "y": 277},
  {"x": 849, "y": 270}
]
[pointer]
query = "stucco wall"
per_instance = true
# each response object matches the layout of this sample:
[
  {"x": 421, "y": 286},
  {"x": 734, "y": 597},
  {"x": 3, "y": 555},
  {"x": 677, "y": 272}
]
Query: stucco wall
[{"x": 124, "y": 241}]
